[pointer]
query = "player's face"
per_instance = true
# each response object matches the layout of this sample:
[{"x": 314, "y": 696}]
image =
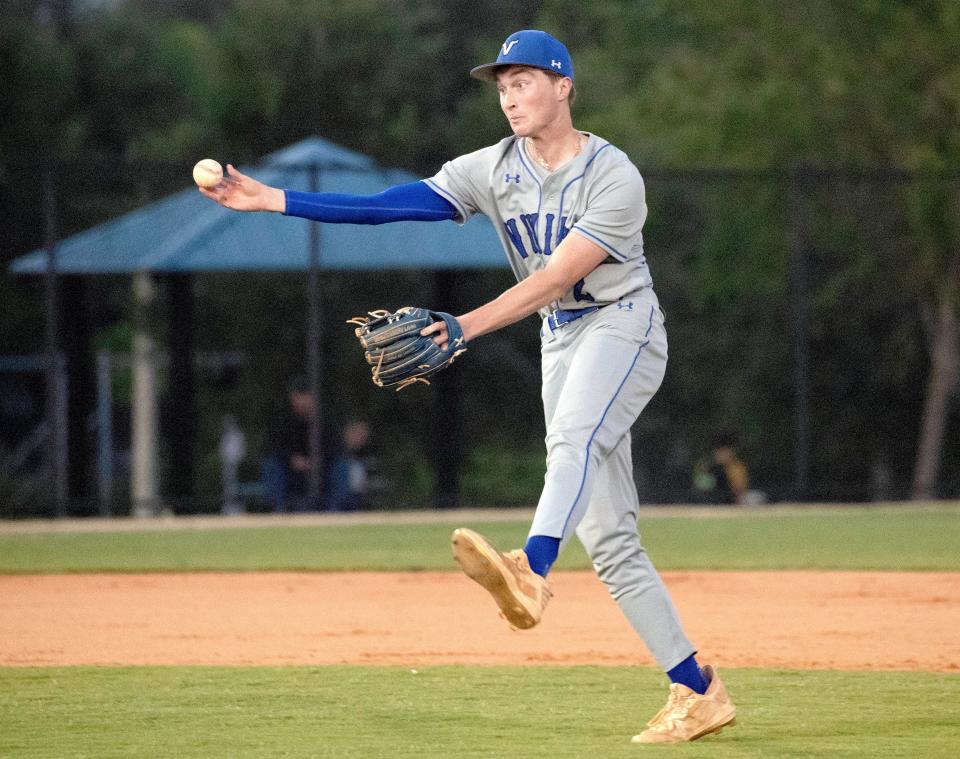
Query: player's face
[{"x": 530, "y": 99}]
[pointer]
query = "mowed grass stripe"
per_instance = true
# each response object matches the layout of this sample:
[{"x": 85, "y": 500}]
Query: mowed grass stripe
[
  {"x": 885, "y": 539},
  {"x": 446, "y": 712}
]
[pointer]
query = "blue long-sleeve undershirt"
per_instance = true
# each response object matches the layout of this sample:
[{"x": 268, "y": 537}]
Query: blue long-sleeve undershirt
[{"x": 406, "y": 202}]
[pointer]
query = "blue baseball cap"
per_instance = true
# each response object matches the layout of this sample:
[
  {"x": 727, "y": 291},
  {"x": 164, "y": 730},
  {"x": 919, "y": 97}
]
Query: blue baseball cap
[{"x": 529, "y": 47}]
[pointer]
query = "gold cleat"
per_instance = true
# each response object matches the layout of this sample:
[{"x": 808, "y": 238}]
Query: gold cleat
[
  {"x": 687, "y": 715},
  {"x": 520, "y": 592}
]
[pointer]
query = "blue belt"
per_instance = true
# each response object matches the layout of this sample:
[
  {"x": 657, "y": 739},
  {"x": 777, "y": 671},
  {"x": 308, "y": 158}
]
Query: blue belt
[{"x": 558, "y": 318}]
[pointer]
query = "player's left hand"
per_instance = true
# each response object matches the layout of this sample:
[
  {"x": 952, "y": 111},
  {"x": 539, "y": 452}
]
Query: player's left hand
[
  {"x": 406, "y": 346},
  {"x": 441, "y": 335}
]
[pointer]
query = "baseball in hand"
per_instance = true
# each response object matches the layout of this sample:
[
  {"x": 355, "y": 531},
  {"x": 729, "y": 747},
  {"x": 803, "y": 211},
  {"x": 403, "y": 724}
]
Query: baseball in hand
[{"x": 207, "y": 173}]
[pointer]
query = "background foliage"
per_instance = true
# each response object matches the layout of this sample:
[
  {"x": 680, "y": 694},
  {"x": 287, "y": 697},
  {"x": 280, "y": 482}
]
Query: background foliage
[{"x": 766, "y": 131}]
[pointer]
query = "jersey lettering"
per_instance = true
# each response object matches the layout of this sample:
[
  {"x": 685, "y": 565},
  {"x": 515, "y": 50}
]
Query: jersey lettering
[
  {"x": 514, "y": 234},
  {"x": 548, "y": 236},
  {"x": 529, "y": 221},
  {"x": 580, "y": 294}
]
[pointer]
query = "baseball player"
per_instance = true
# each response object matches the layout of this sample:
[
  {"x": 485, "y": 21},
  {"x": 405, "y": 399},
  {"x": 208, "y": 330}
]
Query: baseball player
[{"x": 569, "y": 208}]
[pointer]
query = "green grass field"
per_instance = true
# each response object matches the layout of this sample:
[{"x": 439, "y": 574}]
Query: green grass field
[
  {"x": 441, "y": 712},
  {"x": 437, "y": 713},
  {"x": 890, "y": 538}
]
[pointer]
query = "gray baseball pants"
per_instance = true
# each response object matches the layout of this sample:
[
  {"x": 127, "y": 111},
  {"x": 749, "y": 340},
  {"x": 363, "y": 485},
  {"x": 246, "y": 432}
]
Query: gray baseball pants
[{"x": 599, "y": 372}]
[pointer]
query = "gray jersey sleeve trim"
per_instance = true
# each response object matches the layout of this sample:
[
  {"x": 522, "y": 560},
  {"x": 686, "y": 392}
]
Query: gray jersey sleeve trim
[
  {"x": 462, "y": 214},
  {"x": 605, "y": 245}
]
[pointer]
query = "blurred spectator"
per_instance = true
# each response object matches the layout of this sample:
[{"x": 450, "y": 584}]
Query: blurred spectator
[
  {"x": 286, "y": 468},
  {"x": 233, "y": 447},
  {"x": 353, "y": 477},
  {"x": 722, "y": 477}
]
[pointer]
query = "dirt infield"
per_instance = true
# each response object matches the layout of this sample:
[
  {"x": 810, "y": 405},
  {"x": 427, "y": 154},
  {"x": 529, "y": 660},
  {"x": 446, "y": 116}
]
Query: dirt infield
[{"x": 836, "y": 620}]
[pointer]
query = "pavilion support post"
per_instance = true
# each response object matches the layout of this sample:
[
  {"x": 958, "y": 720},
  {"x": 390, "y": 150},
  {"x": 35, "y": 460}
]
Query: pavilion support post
[
  {"x": 144, "y": 458},
  {"x": 105, "y": 433},
  {"x": 315, "y": 355},
  {"x": 56, "y": 369}
]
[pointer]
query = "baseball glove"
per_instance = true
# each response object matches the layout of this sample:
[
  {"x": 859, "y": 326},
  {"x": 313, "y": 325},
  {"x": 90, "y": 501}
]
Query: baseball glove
[{"x": 398, "y": 353}]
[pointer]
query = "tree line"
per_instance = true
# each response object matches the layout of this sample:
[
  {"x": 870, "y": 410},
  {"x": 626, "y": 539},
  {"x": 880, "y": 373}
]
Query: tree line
[{"x": 803, "y": 178}]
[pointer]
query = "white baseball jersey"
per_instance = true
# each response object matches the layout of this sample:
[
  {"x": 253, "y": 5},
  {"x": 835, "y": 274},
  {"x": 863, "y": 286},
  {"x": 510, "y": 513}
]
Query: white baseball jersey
[{"x": 599, "y": 193}]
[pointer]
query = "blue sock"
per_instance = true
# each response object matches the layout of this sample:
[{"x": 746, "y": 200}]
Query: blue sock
[
  {"x": 688, "y": 673},
  {"x": 541, "y": 553}
]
